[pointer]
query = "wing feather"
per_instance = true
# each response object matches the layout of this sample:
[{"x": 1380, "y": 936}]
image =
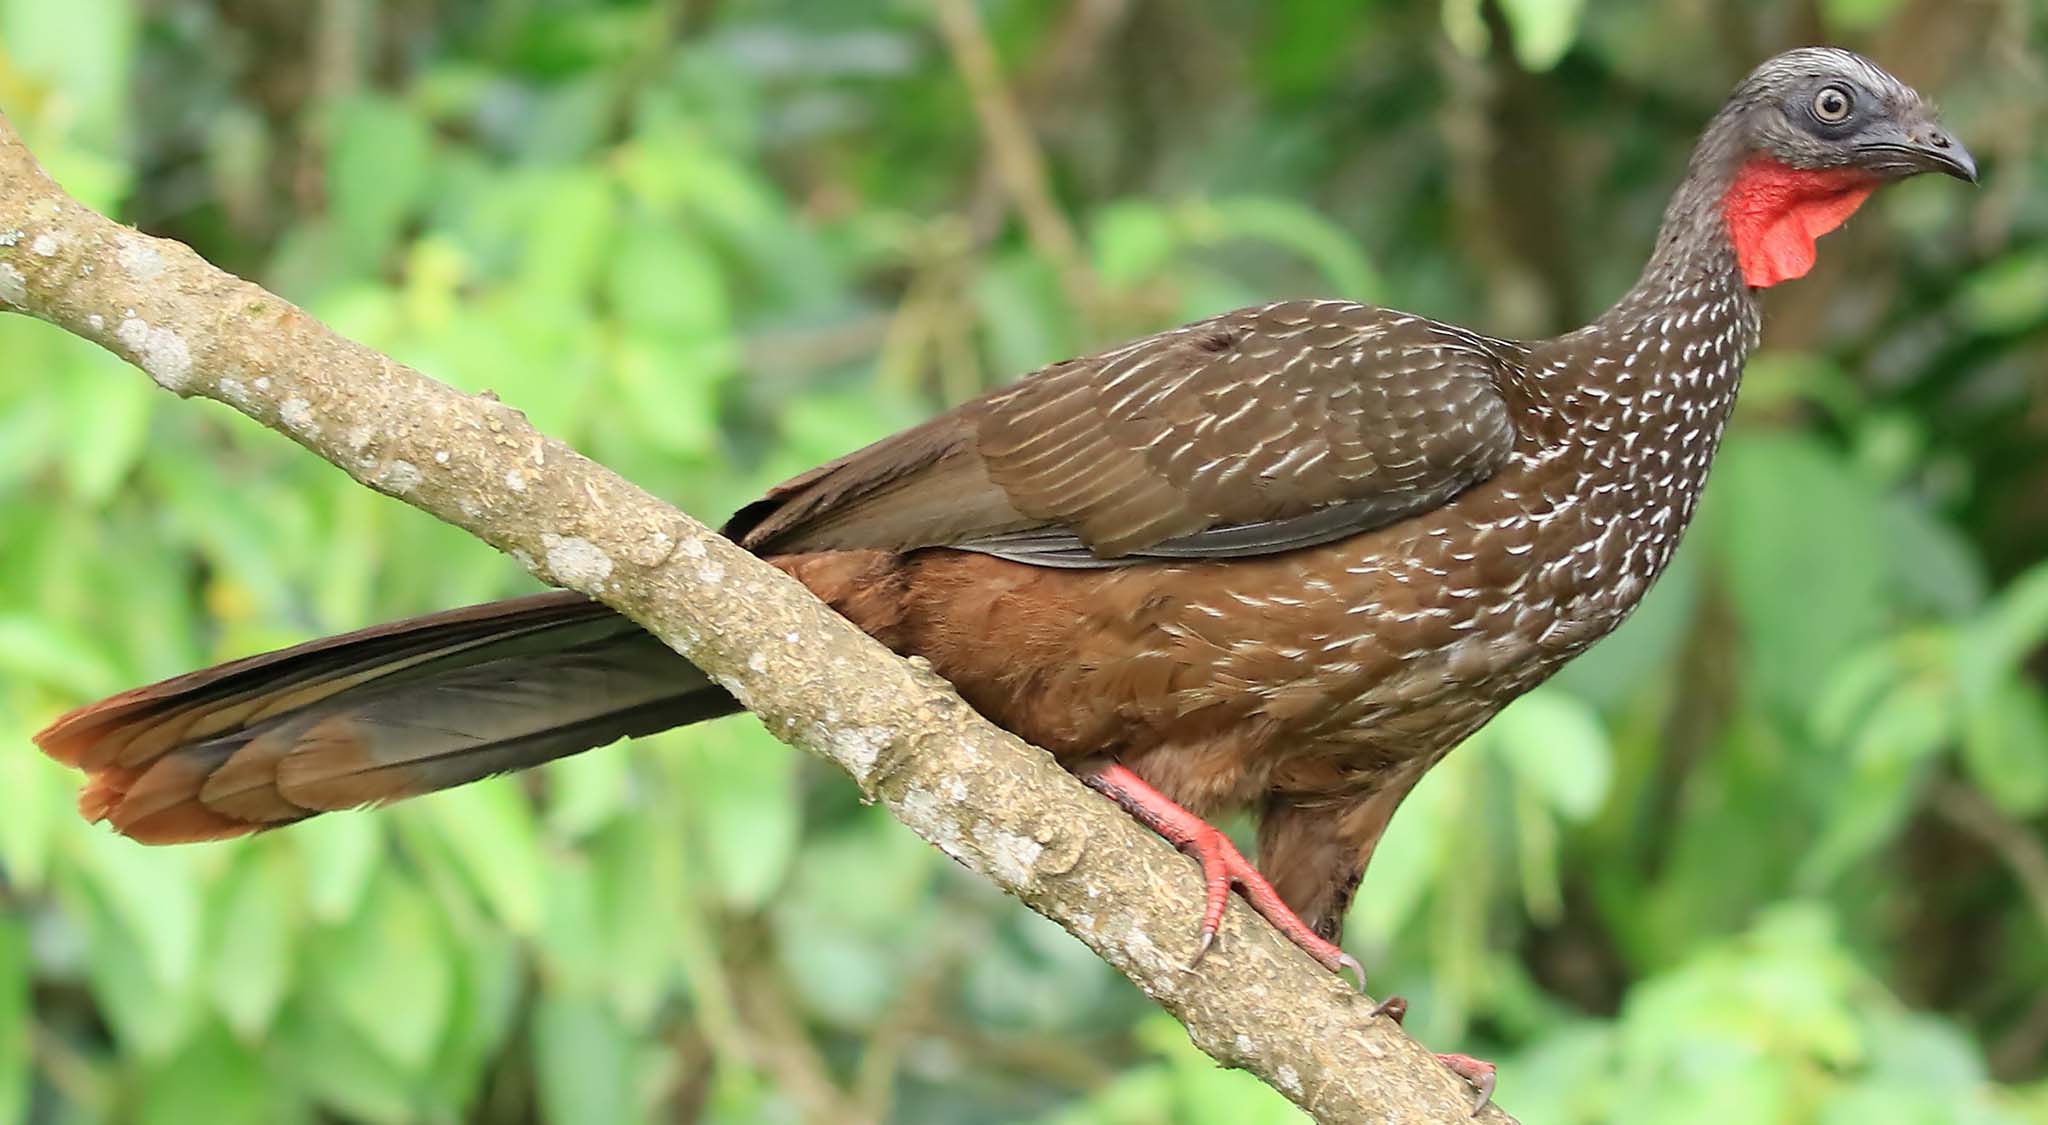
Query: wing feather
[{"x": 1258, "y": 431}]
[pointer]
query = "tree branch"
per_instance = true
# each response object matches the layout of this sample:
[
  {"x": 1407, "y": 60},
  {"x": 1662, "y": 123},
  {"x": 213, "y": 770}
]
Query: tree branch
[{"x": 997, "y": 806}]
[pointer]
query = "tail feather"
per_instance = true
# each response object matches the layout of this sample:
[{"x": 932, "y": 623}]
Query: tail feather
[{"x": 375, "y": 716}]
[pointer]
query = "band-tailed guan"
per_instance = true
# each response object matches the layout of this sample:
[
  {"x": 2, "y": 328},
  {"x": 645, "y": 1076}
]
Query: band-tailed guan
[{"x": 1281, "y": 559}]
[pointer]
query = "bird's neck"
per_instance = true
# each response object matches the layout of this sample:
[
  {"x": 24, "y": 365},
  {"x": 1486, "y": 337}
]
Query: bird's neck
[
  {"x": 1640, "y": 397},
  {"x": 1697, "y": 258},
  {"x": 1675, "y": 343}
]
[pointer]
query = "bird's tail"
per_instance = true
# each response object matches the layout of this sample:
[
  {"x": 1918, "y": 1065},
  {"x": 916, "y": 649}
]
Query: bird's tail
[{"x": 374, "y": 716}]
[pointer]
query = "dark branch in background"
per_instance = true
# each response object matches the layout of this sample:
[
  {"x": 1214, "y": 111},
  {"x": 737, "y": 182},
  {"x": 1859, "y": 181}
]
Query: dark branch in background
[{"x": 999, "y": 807}]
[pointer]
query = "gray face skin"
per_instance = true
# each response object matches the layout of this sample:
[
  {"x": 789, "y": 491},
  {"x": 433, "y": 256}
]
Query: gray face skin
[{"x": 1822, "y": 108}]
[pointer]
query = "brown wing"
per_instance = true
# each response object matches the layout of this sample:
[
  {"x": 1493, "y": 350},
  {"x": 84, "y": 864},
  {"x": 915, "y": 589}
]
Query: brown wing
[{"x": 1256, "y": 431}]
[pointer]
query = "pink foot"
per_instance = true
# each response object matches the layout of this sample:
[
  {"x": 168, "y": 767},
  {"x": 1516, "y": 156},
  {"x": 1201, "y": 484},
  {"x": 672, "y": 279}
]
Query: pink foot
[
  {"x": 1222, "y": 867},
  {"x": 1478, "y": 1072}
]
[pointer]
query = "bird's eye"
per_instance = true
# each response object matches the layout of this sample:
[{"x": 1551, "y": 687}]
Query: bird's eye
[{"x": 1832, "y": 105}]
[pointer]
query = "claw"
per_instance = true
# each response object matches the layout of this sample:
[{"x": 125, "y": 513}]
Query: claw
[
  {"x": 1348, "y": 963},
  {"x": 1393, "y": 1007},
  {"x": 1478, "y": 1072},
  {"x": 1223, "y": 867}
]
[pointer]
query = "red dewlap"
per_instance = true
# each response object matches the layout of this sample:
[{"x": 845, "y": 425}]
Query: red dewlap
[{"x": 1776, "y": 212}]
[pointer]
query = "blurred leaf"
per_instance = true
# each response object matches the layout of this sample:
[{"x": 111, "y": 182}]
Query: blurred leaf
[
  {"x": 15, "y": 975},
  {"x": 568, "y": 235},
  {"x": 45, "y": 652},
  {"x": 153, "y": 894},
  {"x": 1857, "y": 15},
  {"x": 742, "y": 807},
  {"x": 487, "y": 1009},
  {"x": 1846, "y": 703},
  {"x": 2010, "y": 629},
  {"x": 586, "y": 790},
  {"x": 253, "y": 923},
  {"x": 1807, "y": 589},
  {"x": 1543, "y": 29},
  {"x": 82, "y": 49},
  {"x": 638, "y": 899},
  {"x": 386, "y": 975},
  {"x": 858, "y": 895},
  {"x": 1930, "y": 562},
  {"x": 1024, "y": 314},
  {"x": 1556, "y": 745},
  {"x": 2010, "y": 294},
  {"x": 109, "y": 412},
  {"x": 339, "y": 853},
  {"x": 489, "y": 829},
  {"x": 584, "y": 1062},
  {"x": 2005, "y": 748},
  {"x": 212, "y": 1080},
  {"x": 28, "y": 829},
  {"x": 149, "y": 1019},
  {"x": 1895, "y": 747},
  {"x": 329, "y": 1061},
  {"x": 1288, "y": 224},
  {"x": 378, "y": 166},
  {"x": 1133, "y": 239},
  {"x": 665, "y": 282}
]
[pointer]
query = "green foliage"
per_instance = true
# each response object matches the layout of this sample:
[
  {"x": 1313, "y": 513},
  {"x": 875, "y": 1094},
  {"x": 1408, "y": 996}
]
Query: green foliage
[{"x": 1771, "y": 853}]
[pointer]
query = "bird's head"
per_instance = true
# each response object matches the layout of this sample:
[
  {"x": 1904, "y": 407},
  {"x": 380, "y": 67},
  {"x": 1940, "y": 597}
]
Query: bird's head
[{"x": 1810, "y": 134}]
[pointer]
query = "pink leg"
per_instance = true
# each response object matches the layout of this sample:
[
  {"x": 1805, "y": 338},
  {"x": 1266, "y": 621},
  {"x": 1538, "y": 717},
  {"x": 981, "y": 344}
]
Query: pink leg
[{"x": 1222, "y": 866}]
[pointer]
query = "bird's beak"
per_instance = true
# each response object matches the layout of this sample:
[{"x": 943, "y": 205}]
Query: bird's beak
[{"x": 1926, "y": 147}]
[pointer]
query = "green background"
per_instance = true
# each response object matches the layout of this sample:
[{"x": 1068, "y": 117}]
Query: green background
[{"x": 1774, "y": 853}]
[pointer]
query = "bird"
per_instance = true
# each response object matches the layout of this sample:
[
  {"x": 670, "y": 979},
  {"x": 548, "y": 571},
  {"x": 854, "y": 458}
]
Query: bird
[{"x": 1280, "y": 560}]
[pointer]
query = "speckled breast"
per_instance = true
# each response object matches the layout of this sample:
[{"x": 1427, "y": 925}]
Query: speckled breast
[{"x": 1391, "y": 647}]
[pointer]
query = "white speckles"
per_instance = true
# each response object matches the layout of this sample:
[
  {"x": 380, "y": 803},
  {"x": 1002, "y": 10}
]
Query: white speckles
[
  {"x": 11, "y": 238},
  {"x": 757, "y": 663},
  {"x": 1011, "y": 855},
  {"x": 297, "y": 415},
  {"x": 96, "y": 322},
  {"x": 920, "y": 809},
  {"x": 515, "y": 480},
  {"x": 1244, "y": 1045},
  {"x": 692, "y": 548},
  {"x": 858, "y": 748},
  {"x": 656, "y": 549},
  {"x": 45, "y": 246},
  {"x": 711, "y": 573},
  {"x": 360, "y": 437},
  {"x": 138, "y": 259},
  {"x": 576, "y": 562},
  {"x": 401, "y": 477},
  {"x": 234, "y": 392},
  {"x": 13, "y": 286},
  {"x": 793, "y": 637},
  {"x": 1142, "y": 950},
  {"x": 1288, "y": 1079},
  {"x": 160, "y": 351},
  {"x": 440, "y": 457},
  {"x": 262, "y": 381}
]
